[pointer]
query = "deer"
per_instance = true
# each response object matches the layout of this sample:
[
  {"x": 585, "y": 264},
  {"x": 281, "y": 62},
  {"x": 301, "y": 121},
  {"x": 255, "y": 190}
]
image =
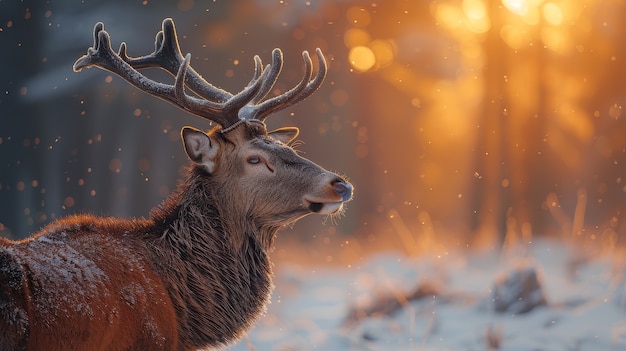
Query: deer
[{"x": 196, "y": 272}]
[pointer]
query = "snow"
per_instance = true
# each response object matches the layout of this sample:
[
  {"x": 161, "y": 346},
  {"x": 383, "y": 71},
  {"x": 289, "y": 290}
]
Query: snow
[
  {"x": 55, "y": 267},
  {"x": 391, "y": 302}
]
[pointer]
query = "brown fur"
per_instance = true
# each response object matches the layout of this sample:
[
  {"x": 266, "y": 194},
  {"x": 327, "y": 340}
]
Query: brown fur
[{"x": 195, "y": 274}]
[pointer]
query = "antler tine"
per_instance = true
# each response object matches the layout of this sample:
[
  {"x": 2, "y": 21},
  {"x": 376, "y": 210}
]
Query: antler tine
[
  {"x": 168, "y": 56},
  {"x": 275, "y": 69},
  {"x": 305, "y": 88},
  {"x": 264, "y": 109},
  {"x": 238, "y": 102},
  {"x": 315, "y": 84},
  {"x": 101, "y": 55},
  {"x": 258, "y": 67},
  {"x": 82, "y": 61}
]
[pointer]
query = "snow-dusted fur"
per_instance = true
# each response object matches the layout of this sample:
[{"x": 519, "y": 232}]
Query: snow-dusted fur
[{"x": 195, "y": 274}]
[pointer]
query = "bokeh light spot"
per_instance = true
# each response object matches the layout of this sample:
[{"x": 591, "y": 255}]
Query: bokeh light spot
[
  {"x": 553, "y": 14},
  {"x": 355, "y": 37},
  {"x": 362, "y": 58},
  {"x": 384, "y": 51}
]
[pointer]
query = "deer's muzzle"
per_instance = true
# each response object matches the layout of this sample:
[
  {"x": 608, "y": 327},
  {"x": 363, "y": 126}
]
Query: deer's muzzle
[{"x": 339, "y": 191}]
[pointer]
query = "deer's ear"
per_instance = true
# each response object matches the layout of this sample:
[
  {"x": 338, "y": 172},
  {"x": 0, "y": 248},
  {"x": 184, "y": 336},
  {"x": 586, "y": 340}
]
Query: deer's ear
[
  {"x": 199, "y": 147},
  {"x": 285, "y": 135}
]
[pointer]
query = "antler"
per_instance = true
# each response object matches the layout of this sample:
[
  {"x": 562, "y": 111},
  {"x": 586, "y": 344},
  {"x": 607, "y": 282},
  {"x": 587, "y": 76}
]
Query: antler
[{"x": 213, "y": 103}]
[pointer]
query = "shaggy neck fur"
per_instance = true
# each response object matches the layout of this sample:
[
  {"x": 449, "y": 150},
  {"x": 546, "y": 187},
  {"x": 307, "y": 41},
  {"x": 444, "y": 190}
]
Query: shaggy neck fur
[{"x": 211, "y": 269}]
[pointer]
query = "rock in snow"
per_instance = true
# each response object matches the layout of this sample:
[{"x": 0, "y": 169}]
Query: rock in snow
[{"x": 518, "y": 290}]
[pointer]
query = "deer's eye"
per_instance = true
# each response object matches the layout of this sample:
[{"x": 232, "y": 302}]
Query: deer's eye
[{"x": 253, "y": 160}]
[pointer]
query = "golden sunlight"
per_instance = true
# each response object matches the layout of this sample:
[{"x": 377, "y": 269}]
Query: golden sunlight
[
  {"x": 449, "y": 16},
  {"x": 553, "y": 14},
  {"x": 355, "y": 37},
  {"x": 384, "y": 52},
  {"x": 514, "y": 36},
  {"x": 518, "y": 7},
  {"x": 362, "y": 58},
  {"x": 528, "y": 10},
  {"x": 476, "y": 15},
  {"x": 358, "y": 16}
]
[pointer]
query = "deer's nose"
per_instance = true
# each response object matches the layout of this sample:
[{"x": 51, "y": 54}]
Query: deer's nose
[{"x": 343, "y": 189}]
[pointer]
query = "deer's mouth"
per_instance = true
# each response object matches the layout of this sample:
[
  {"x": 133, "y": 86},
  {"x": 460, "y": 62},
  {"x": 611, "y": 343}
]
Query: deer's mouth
[
  {"x": 322, "y": 206},
  {"x": 342, "y": 192}
]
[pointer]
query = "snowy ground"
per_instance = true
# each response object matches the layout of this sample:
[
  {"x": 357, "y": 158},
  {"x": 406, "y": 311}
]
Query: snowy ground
[{"x": 390, "y": 302}]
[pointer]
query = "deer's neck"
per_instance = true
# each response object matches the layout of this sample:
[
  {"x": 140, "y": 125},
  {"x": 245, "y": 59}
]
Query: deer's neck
[{"x": 217, "y": 272}]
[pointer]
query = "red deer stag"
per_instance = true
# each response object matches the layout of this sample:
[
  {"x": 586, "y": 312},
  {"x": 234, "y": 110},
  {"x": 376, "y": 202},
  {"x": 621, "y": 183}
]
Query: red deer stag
[{"x": 196, "y": 273}]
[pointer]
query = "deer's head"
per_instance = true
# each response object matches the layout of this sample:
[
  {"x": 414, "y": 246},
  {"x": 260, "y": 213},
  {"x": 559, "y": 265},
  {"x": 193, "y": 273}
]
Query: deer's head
[{"x": 256, "y": 169}]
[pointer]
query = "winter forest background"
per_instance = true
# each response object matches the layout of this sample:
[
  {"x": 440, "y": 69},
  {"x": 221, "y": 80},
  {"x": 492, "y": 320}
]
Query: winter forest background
[
  {"x": 461, "y": 123},
  {"x": 458, "y": 121}
]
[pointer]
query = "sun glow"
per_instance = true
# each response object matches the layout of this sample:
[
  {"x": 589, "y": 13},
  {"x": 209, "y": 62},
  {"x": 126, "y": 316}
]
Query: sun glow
[
  {"x": 518, "y": 7},
  {"x": 476, "y": 16},
  {"x": 527, "y": 10},
  {"x": 365, "y": 52},
  {"x": 362, "y": 58},
  {"x": 553, "y": 14}
]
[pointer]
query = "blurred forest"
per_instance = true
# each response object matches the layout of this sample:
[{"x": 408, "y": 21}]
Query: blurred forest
[{"x": 460, "y": 122}]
